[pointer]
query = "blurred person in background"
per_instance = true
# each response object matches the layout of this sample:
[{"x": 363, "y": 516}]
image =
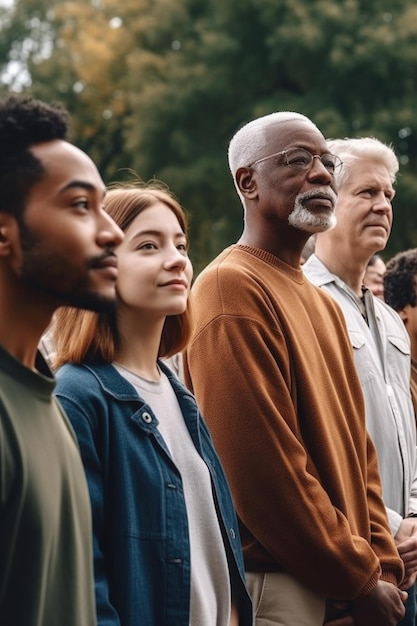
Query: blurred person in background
[
  {"x": 374, "y": 276},
  {"x": 400, "y": 283}
]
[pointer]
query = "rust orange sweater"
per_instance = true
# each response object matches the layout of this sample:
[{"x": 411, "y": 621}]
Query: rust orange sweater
[{"x": 271, "y": 365}]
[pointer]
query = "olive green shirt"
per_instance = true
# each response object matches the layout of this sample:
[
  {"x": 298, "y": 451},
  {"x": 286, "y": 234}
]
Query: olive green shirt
[{"x": 46, "y": 563}]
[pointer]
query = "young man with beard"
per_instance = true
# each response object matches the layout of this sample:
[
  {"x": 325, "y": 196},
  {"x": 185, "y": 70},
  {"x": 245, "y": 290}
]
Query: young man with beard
[
  {"x": 379, "y": 340},
  {"x": 271, "y": 365},
  {"x": 56, "y": 247}
]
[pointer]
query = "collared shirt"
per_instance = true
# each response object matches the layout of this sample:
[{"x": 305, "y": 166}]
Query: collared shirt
[{"x": 381, "y": 348}]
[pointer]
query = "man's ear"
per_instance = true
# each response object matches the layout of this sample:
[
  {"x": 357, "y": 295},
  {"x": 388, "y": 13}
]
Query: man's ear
[
  {"x": 404, "y": 314},
  {"x": 9, "y": 233},
  {"x": 246, "y": 182}
]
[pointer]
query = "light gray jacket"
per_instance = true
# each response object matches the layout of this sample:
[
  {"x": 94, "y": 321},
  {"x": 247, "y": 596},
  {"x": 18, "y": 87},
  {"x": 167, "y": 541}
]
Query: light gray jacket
[{"x": 381, "y": 348}]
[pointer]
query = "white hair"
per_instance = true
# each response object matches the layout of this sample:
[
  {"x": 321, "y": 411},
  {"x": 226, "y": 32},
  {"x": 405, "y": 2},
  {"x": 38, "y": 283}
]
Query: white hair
[
  {"x": 248, "y": 144},
  {"x": 364, "y": 148}
]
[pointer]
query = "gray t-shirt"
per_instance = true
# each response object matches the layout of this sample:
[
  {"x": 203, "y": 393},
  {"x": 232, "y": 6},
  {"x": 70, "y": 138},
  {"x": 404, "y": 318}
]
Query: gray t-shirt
[{"x": 210, "y": 583}]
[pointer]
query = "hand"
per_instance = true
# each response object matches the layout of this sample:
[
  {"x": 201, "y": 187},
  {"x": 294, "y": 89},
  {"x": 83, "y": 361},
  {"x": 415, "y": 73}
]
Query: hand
[
  {"x": 407, "y": 529},
  {"x": 406, "y": 583},
  {"x": 383, "y": 606},
  {"x": 406, "y": 542}
]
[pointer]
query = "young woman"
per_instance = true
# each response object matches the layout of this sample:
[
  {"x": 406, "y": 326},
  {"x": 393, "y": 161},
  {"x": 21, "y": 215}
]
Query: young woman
[{"x": 166, "y": 544}]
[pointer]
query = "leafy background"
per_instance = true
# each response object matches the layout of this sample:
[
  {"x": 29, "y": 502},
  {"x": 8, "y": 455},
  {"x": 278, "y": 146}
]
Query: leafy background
[{"x": 160, "y": 86}]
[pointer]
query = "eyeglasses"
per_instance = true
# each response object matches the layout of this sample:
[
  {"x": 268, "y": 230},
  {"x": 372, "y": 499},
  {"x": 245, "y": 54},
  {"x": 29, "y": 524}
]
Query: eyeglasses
[{"x": 301, "y": 159}]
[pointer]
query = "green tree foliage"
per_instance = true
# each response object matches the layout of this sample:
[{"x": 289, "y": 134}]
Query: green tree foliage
[{"x": 160, "y": 86}]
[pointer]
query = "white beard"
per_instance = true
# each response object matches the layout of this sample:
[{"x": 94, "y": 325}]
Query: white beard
[{"x": 303, "y": 219}]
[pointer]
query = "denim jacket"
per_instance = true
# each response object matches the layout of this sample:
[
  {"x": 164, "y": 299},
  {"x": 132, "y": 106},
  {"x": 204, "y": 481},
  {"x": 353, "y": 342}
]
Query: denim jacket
[{"x": 140, "y": 528}]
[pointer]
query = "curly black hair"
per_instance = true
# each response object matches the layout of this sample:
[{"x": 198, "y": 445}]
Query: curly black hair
[
  {"x": 400, "y": 280},
  {"x": 24, "y": 122}
]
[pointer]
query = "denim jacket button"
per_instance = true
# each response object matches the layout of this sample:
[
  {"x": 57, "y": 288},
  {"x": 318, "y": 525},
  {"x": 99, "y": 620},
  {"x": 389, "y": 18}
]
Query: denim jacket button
[
  {"x": 232, "y": 533},
  {"x": 147, "y": 417}
]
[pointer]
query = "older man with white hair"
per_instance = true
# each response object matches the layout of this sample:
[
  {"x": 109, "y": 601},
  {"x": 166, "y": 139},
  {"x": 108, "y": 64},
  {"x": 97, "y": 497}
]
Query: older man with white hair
[
  {"x": 380, "y": 342},
  {"x": 271, "y": 364}
]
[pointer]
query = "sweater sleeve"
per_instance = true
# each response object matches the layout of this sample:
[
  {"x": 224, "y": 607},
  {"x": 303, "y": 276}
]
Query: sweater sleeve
[{"x": 238, "y": 367}]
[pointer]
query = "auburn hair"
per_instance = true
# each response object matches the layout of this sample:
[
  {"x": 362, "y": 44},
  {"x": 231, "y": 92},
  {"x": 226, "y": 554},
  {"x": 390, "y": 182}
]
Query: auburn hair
[{"x": 81, "y": 336}]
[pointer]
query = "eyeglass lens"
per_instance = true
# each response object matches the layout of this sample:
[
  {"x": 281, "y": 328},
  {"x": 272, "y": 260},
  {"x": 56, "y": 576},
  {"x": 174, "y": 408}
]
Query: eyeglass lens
[{"x": 302, "y": 159}]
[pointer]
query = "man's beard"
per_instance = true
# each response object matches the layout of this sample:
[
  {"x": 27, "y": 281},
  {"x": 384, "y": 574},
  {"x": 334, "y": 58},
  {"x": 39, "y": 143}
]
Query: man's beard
[
  {"x": 306, "y": 220},
  {"x": 46, "y": 270}
]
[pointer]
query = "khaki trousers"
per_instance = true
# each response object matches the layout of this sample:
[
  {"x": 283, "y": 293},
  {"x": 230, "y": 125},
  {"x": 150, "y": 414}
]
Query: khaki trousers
[{"x": 280, "y": 600}]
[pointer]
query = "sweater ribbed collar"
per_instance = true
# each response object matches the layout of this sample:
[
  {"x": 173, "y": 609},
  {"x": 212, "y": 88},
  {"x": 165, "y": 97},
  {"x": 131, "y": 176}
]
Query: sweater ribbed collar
[{"x": 292, "y": 272}]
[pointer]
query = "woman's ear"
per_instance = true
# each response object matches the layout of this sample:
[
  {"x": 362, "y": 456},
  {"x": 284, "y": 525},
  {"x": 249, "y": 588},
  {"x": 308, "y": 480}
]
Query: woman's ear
[{"x": 246, "y": 182}]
